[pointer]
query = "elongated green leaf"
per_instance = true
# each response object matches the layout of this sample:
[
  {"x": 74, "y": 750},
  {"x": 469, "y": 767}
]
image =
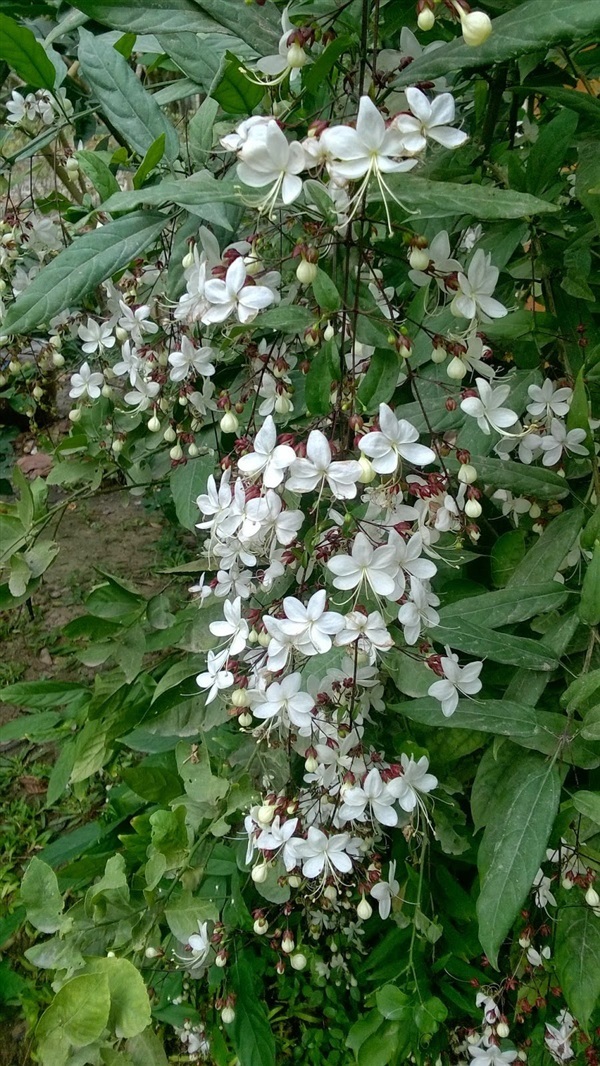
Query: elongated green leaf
[
  {"x": 529, "y": 27},
  {"x": 513, "y": 845},
  {"x": 80, "y": 268},
  {"x": 256, "y": 24},
  {"x": 97, "y": 171},
  {"x": 380, "y": 381},
  {"x": 324, "y": 370},
  {"x": 42, "y": 694},
  {"x": 234, "y": 91},
  {"x": 153, "y": 16},
  {"x": 527, "y": 686},
  {"x": 201, "y": 56},
  {"x": 521, "y": 480},
  {"x": 500, "y": 647},
  {"x": 578, "y": 959},
  {"x": 187, "y": 482},
  {"x": 543, "y": 560},
  {"x": 41, "y": 895},
  {"x": 495, "y": 764},
  {"x": 149, "y": 162},
  {"x": 192, "y": 192},
  {"x": 122, "y": 97},
  {"x": 549, "y": 151},
  {"x": 588, "y": 804},
  {"x": 250, "y": 1031},
  {"x": 24, "y": 53},
  {"x": 582, "y": 103},
  {"x": 505, "y": 607},
  {"x": 40, "y": 726},
  {"x": 440, "y": 199},
  {"x": 500, "y": 717},
  {"x": 287, "y": 319}
]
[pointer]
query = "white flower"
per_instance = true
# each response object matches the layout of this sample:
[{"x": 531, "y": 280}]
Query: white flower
[
  {"x": 268, "y": 458},
  {"x": 548, "y": 400},
  {"x": 234, "y": 294},
  {"x": 491, "y": 1010},
  {"x": 385, "y": 891},
  {"x": 323, "y": 854},
  {"x": 130, "y": 363},
  {"x": 374, "y": 794},
  {"x": 558, "y": 440},
  {"x": 418, "y": 612},
  {"x": 408, "y": 555},
  {"x": 369, "y": 630},
  {"x": 279, "y": 837},
  {"x": 289, "y": 58},
  {"x": 474, "y": 296},
  {"x": 456, "y": 679},
  {"x": 375, "y": 566},
  {"x": 414, "y": 780},
  {"x": 234, "y": 141},
  {"x": 440, "y": 263},
  {"x": 537, "y": 958},
  {"x": 491, "y": 1056},
  {"x": 284, "y": 699},
  {"x": 143, "y": 392},
  {"x": 310, "y": 627},
  {"x": 487, "y": 407},
  {"x": 233, "y": 628},
  {"x": 307, "y": 474},
  {"x": 558, "y": 1037},
  {"x": 85, "y": 383},
  {"x": 96, "y": 335},
  {"x": 542, "y": 890},
  {"x": 369, "y": 149},
  {"x": 395, "y": 440},
  {"x": 215, "y": 678},
  {"x": 428, "y": 120},
  {"x": 20, "y": 107},
  {"x": 268, "y": 158},
  {"x": 135, "y": 321},
  {"x": 190, "y": 358}
]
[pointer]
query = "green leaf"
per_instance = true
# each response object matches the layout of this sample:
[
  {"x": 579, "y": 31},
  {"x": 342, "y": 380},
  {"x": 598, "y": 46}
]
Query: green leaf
[
  {"x": 122, "y": 97},
  {"x": 579, "y": 411},
  {"x": 187, "y": 482},
  {"x": 581, "y": 690},
  {"x": 501, "y": 717},
  {"x": 250, "y": 1031},
  {"x": 21, "y": 49},
  {"x": 588, "y": 804},
  {"x": 153, "y": 16},
  {"x": 42, "y": 694},
  {"x": 591, "y": 726},
  {"x": 380, "y": 381},
  {"x": 548, "y": 152},
  {"x": 577, "y": 957},
  {"x": 513, "y": 845},
  {"x": 193, "y": 764},
  {"x": 586, "y": 182},
  {"x": 37, "y": 727},
  {"x": 326, "y": 293},
  {"x": 394, "y": 1004},
  {"x": 146, "y": 1050},
  {"x": 521, "y": 480},
  {"x": 287, "y": 319},
  {"x": 581, "y": 102},
  {"x": 324, "y": 370},
  {"x": 200, "y": 130},
  {"x": 507, "y": 553},
  {"x": 528, "y": 27},
  {"x": 186, "y": 912},
  {"x": 257, "y": 25},
  {"x": 194, "y": 192},
  {"x": 80, "y": 268},
  {"x": 493, "y": 767},
  {"x": 129, "y": 1004},
  {"x": 505, "y": 607},
  {"x": 41, "y": 896},
  {"x": 76, "y": 1017},
  {"x": 201, "y": 57},
  {"x": 151, "y": 159},
  {"x": 443, "y": 199},
  {"x": 314, "y": 75},
  {"x": 234, "y": 91},
  {"x": 499, "y": 647}
]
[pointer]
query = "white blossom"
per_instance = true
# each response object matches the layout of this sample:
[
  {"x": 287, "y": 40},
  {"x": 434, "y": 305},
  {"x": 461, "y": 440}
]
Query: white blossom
[
  {"x": 308, "y": 474},
  {"x": 474, "y": 296},
  {"x": 393, "y": 441},
  {"x": 464, "y": 680},
  {"x": 428, "y": 119},
  {"x": 385, "y": 891},
  {"x": 268, "y": 459},
  {"x": 189, "y": 359},
  {"x": 235, "y": 294},
  {"x": 85, "y": 383},
  {"x": 487, "y": 407},
  {"x": 96, "y": 335},
  {"x": 366, "y": 564}
]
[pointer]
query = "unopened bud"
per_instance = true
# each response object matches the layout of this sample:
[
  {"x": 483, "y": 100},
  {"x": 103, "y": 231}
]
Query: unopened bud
[
  {"x": 294, "y": 881},
  {"x": 364, "y": 910},
  {"x": 188, "y": 260},
  {"x": 535, "y": 511},
  {"x": 245, "y": 720},
  {"x": 240, "y": 697},
  {"x": 221, "y": 959},
  {"x": 328, "y": 332},
  {"x": 56, "y": 341},
  {"x": 418, "y": 259},
  {"x": 296, "y": 57},
  {"x": 152, "y": 953},
  {"x": 176, "y": 453},
  {"x": 467, "y": 474},
  {"x": 169, "y": 435},
  {"x": 264, "y": 639},
  {"x": 438, "y": 355},
  {"x": 367, "y": 471},
  {"x": 38, "y": 392},
  {"x": 260, "y": 873},
  {"x": 476, "y": 27},
  {"x": 298, "y": 961},
  {"x": 227, "y": 1015},
  {"x": 260, "y": 926},
  {"x": 456, "y": 369},
  {"x": 426, "y": 19},
  {"x": 229, "y": 423},
  {"x": 75, "y": 414},
  {"x": 502, "y": 1030},
  {"x": 473, "y": 508},
  {"x": 265, "y": 814},
  {"x": 311, "y": 765},
  {"x": 306, "y": 272},
  {"x": 288, "y": 944},
  {"x": 330, "y": 893},
  {"x": 154, "y": 424},
  {"x": 107, "y": 392},
  {"x": 58, "y": 360},
  {"x": 121, "y": 334},
  {"x": 116, "y": 447},
  {"x": 591, "y": 897}
]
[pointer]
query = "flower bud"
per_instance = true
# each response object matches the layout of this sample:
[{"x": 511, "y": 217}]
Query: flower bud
[
  {"x": 71, "y": 165},
  {"x": 240, "y": 697},
  {"x": 330, "y": 893},
  {"x": 121, "y": 334},
  {"x": 283, "y": 404},
  {"x": 524, "y": 942},
  {"x": 260, "y": 873},
  {"x": 107, "y": 392},
  {"x": 476, "y": 27},
  {"x": 221, "y": 959},
  {"x": 368, "y": 473},
  {"x": 253, "y": 265},
  {"x": 472, "y": 508},
  {"x": 535, "y": 511},
  {"x": 311, "y": 765},
  {"x": 58, "y": 360},
  {"x": 176, "y": 453},
  {"x": 227, "y": 1015},
  {"x": 296, "y": 57},
  {"x": 467, "y": 474},
  {"x": 591, "y": 897},
  {"x": 265, "y": 814},
  {"x": 154, "y": 424},
  {"x": 229, "y": 423},
  {"x": 288, "y": 944},
  {"x": 298, "y": 961},
  {"x": 567, "y": 884},
  {"x": 328, "y": 332},
  {"x": 502, "y": 1030},
  {"x": 56, "y": 341},
  {"x": 245, "y": 720},
  {"x": 169, "y": 435},
  {"x": 438, "y": 355},
  {"x": 264, "y": 639},
  {"x": 14, "y": 366},
  {"x": 294, "y": 881},
  {"x": 426, "y": 19},
  {"x": 75, "y": 414},
  {"x": 260, "y": 926},
  {"x": 116, "y": 447},
  {"x": 306, "y": 272},
  {"x": 188, "y": 260},
  {"x": 456, "y": 369},
  {"x": 364, "y": 910},
  {"x": 418, "y": 259},
  {"x": 37, "y": 393}
]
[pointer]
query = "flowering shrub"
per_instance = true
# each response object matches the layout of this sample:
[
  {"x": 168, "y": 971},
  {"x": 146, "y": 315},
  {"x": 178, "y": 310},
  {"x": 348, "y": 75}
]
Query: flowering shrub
[{"x": 346, "y": 312}]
